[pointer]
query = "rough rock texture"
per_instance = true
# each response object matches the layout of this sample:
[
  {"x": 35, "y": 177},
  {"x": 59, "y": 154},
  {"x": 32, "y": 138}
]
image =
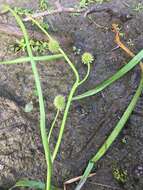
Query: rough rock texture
[{"x": 21, "y": 152}]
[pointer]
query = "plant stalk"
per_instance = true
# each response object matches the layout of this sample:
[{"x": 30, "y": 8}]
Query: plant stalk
[{"x": 41, "y": 101}]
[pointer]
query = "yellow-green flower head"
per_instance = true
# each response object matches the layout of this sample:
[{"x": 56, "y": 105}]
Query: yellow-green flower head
[
  {"x": 53, "y": 46},
  {"x": 59, "y": 102},
  {"x": 87, "y": 58}
]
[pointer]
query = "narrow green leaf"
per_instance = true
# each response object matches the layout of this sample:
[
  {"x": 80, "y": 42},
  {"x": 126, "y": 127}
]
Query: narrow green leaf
[
  {"x": 112, "y": 137},
  {"x": 29, "y": 183},
  {"x": 28, "y": 59},
  {"x": 85, "y": 175},
  {"x": 41, "y": 100},
  {"x": 112, "y": 79}
]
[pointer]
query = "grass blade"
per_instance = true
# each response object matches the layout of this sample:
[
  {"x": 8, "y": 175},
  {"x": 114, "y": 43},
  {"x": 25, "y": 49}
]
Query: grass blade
[
  {"x": 41, "y": 101},
  {"x": 112, "y": 79},
  {"x": 28, "y": 59},
  {"x": 112, "y": 137},
  {"x": 30, "y": 184}
]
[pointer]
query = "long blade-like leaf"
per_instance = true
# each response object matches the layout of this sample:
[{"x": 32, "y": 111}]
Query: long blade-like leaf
[
  {"x": 28, "y": 59},
  {"x": 31, "y": 184},
  {"x": 41, "y": 100},
  {"x": 112, "y": 136},
  {"x": 112, "y": 79}
]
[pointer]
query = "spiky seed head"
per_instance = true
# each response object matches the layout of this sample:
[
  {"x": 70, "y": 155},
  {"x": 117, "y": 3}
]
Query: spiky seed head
[
  {"x": 59, "y": 102},
  {"x": 53, "y": 46},
  {"x": 87, "y": 58}
]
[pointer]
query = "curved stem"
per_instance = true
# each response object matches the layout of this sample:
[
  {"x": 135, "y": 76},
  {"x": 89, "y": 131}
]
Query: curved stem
[
  {"x": 74, "y": 87},
  {"x": 41, "y": 101},
  {"x": 63, "y": 53},
  {"x": 39, "y": 26},
  {"x": 70, "y": 64},
  {"x": 64, "y": 120},
  {"x": 87, "y": 74},
  {"x": 53, "y": 124},
  {"x": 113, "y": 78}
]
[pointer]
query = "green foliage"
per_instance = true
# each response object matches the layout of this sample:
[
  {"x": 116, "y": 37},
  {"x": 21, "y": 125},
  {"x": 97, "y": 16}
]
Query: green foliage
[
  {"x": 120, "y": 175},
  {"x": 113, "y": 78},
  {"x": 112, "y": 137},
  {"x": 76, "y": 84},
  {"x": 22, "y": 11},
  {"x": 139, "y": 7},
  {"x": 37, "y": 58},
  {"x": 101, "y": 1},
  {"x": 37, "y": 46},
  {"x": 41, "y": 100},
  {"x": 43, "y": 4},
  {"x": 31, "y": 184},
  {"x": 85, "y": 3},
  {"x": 60, "y": 104},
  {"x": 25, "y": 44}
]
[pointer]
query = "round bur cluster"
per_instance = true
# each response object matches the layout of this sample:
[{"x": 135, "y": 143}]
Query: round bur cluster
[
  {"x": 87, "y": 58},
  {"x": 53, "y": 46},
  {"x": 59, "y": 102}
]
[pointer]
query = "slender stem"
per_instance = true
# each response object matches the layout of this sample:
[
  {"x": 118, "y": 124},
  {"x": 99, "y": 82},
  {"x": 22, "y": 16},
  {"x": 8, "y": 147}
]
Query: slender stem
[
  {"x": 41, "y": 28},
  {"x": 70, "y": 64},
  {"x": 28, "y": 59},
  {"x": 41, "y": 102},
  {"x": 74, "y": 87},
  {"x": 87, "y": 74},
  {"x": 62, "y": 52},
  {"x": 113, "y": 78},
  {"x": 48, "y": 57},
  {"x": 53, "y": 124},
  {"x": 112, "y": 137},
  {"x": 120, "y": 124}
]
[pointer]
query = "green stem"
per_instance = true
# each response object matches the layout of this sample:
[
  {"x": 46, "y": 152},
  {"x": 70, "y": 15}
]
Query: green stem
[
  {"x": 41, "y": 28},
  {"x": 62, "y": 52},
  {"x": 53, "y": 124},
  {"x": 87, "y": 74},
  {"x": 112, "y": 137},
  {"x": 28, "y": 59},
  {"x": 74, "y": 87},
  {"x": 41, "y": 102},
  {"x": 113, "y": 78},
  {"x": 120, "y": 124},
  {"x": 70, "y": 64}
]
